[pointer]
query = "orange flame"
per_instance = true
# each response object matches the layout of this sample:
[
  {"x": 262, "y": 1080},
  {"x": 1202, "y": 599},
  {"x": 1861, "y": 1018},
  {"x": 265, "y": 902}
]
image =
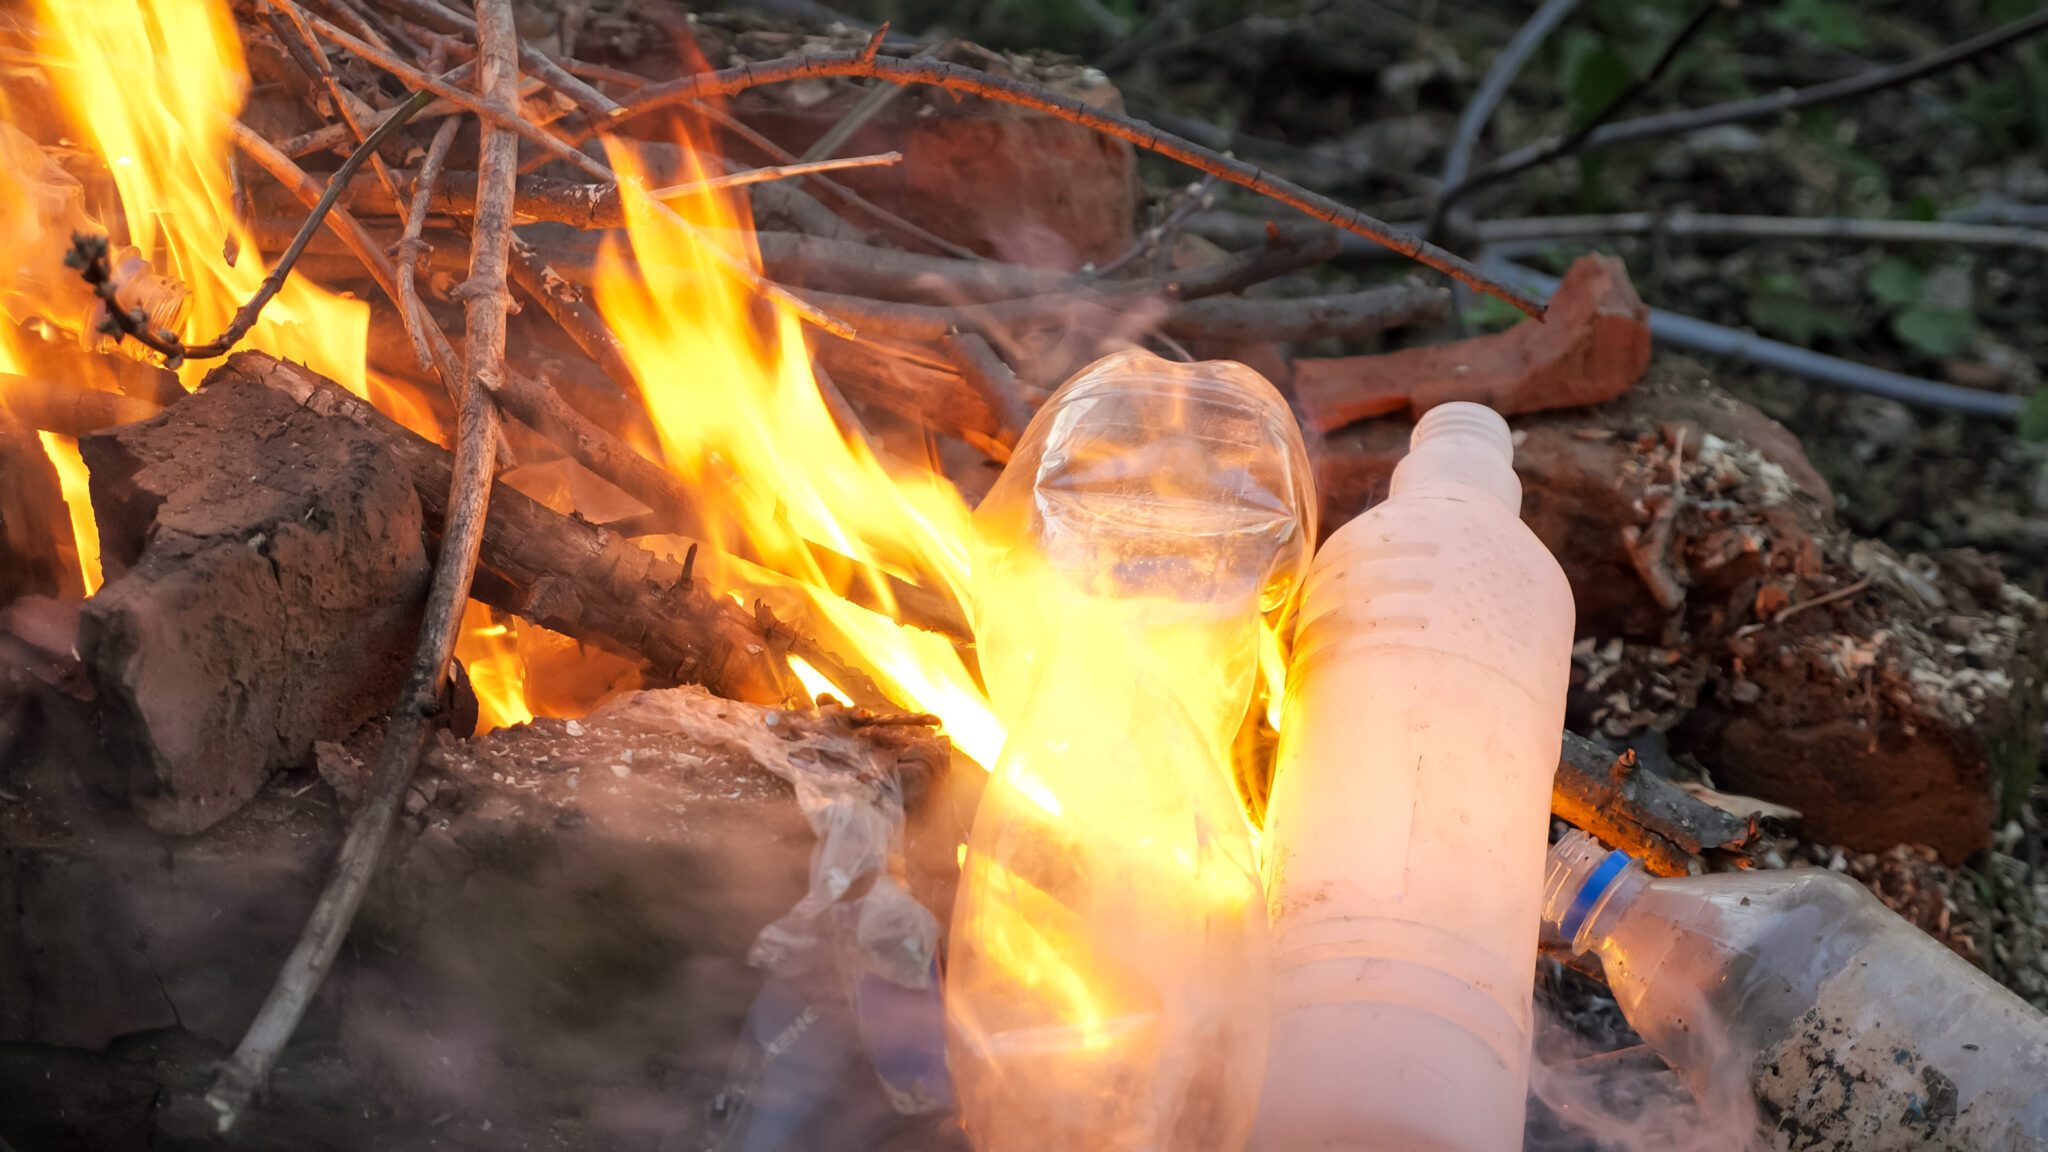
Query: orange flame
[
  {"x": 489, "y": 650},
  {"x": 150, "y": 85},
  {"x": 728, "y": 384},
  {"x": 71, "y": 477}
]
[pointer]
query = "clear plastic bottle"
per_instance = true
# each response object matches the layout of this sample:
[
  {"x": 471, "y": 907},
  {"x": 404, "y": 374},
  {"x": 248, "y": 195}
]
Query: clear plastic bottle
[
  {"x": 1411, "y": 800},
  {"x": 1854, "y": 1028},
  {"x": 1106, "y": 985}
]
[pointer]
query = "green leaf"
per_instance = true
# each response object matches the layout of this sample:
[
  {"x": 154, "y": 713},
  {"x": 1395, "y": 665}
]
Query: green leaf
[
  {"x": 1781, "y": 306},
  {"x": 1937, "y": 332},
  {"x": 1828, "y": 21},
  {"x": 1594, "y": 73},
  {"x": 1490, "y": 315},
  {"x": 1895, "y": 282},
  {"x": 2034, "y": 417},
  {"x": 1923, "y": 208}
]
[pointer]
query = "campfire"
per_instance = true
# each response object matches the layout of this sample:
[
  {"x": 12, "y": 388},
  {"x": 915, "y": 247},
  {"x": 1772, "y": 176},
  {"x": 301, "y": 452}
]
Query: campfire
[{"x": 424, "y": 437}]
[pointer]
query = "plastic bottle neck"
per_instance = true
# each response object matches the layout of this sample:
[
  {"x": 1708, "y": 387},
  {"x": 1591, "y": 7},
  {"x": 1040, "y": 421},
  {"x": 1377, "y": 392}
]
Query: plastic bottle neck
[
  {"x": 1585, "y": 888},
  {"x": 1460, "y": 444}
]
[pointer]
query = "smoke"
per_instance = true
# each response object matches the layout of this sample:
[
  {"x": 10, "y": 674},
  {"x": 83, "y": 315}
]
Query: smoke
[{"x": 1595, "y": 1086}]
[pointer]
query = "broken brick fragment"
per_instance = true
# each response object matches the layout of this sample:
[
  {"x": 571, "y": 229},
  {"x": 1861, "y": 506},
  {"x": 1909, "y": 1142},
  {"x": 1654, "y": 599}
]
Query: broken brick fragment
[{"x": 1592, "y": 346}]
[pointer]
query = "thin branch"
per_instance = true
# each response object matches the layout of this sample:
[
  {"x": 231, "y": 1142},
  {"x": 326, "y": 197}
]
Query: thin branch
[
  {"x": 1762, "y": 107},
  {"x": 89, "y": 256},
  {"x": 506, "y": 116},
  {"x": 1197, "y": 196},
  {"x": 955, "y": 78},
  {"x": 846, "y": 196},
  {"x": 497, "y": 116},
  {"x": 994, "y": 380},
  {"x": 440, "y": 18},
  {"x": 410, "y": 245},
  {"x": 347, "y": 108},
  {"x": 747, "y": 176},
  {"x": 1350, "y": 316},
  {"x": 1842, "y": 593},
  {"x": 412, "y": 314},
  {"x": 1705, "y": 225},
  {"x": 462, "y": 534},
  {"x": 335, "y": 135},
  {"x": 1493, "y": 88}
]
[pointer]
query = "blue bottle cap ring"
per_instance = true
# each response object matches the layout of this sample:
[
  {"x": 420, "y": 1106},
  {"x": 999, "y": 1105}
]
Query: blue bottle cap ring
[{"x": 1589, "y": 894}]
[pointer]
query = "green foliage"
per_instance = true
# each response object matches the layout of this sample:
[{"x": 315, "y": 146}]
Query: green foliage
[
  {"x": 1593, "y": 73},
  {"x": 1828, "y": 21},
  {"x": 1780, "y": 305},
  {"x": 2034, "y": 417},
  {"x": 1487, "y": 314},
  {"x": 1896, "y": 282},
  {"x": 1929, "y": 327},
  {"x": 1937, "y": 332}
]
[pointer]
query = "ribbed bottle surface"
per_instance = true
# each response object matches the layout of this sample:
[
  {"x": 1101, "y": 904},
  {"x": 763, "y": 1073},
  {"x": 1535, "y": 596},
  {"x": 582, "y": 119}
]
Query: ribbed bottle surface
[{"x": 1406, "y": 834}]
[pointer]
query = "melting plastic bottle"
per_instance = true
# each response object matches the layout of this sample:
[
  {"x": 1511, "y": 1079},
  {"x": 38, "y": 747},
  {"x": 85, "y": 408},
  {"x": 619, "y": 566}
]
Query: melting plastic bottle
[
  {"x": 1106, "y": 985},
  {"x": 1411, "y": 800},
  {"x": 49, "y": 207},
  {"x": 1854, "y": 1028}
]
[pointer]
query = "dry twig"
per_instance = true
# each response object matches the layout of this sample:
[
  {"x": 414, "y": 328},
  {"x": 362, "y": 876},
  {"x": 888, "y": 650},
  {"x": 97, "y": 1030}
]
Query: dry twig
[
  {"x": 410, "y": 246},
  {"x": 955, "y": 78},
  {"x": 89, "y": 256},
  {"x": 749, "y": 176},
  {"x": 488, "y": 301}
]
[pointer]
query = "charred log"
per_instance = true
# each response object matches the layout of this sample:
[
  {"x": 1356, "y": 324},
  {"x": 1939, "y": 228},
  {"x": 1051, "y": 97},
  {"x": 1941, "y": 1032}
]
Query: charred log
[{"x": 264, "y": 578}]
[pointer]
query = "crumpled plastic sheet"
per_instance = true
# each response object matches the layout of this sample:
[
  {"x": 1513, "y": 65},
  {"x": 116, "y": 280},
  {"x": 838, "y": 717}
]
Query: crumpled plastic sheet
[{"x": 855, "y": 807}]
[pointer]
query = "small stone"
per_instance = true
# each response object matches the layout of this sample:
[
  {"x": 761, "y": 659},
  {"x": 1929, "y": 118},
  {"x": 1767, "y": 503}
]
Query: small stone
[
  {"x": 573, "y": 728},
  {"x": 621, "y": 771}
]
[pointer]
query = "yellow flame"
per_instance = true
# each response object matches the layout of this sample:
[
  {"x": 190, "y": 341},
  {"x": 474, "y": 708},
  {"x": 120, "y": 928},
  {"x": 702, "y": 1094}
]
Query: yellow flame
[
  {"x": 71, "y": 480},
  {"x": 150, "y": 85},
  {"x": 728, "y": 384},
  {"x": 146, "y": 87},
  {"x": 489, "y": 651}
]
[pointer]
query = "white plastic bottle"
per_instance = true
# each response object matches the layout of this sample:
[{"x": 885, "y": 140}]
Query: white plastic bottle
[{"x": 1405, "y": 839}]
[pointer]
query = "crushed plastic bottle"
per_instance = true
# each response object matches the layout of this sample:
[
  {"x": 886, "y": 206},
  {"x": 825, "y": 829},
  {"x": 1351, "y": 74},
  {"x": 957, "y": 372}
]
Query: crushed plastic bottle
[
  {"x": 1854, "y": 1028},
  {"x": 1106, "y": 986},
  {"x": 48, "y": 206},
  {"x": 1411, "y": 802}
]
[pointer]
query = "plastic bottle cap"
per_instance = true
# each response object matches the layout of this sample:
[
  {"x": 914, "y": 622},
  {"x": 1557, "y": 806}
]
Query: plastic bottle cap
[{"x": 1596, "y": 886}]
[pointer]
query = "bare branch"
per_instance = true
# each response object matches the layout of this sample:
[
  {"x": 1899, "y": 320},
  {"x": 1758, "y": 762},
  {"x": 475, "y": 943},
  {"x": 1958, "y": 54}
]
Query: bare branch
[
  {"x": 955, "y": 78},
  {"x": 1759, "y": 107},
  {"x": 747, "y": 176},
  {"x": 90, "y": 258},
  {"x": 488, "y": 301}
]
